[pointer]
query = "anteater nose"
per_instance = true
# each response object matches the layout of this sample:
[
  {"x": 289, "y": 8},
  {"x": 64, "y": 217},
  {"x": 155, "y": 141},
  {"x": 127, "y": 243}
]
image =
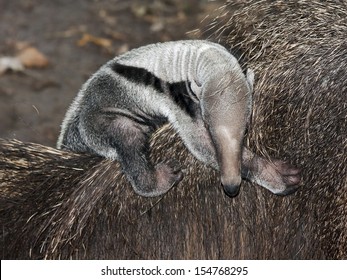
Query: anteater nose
[
  {"x": 231, "y": 184},
  {"x": 231, "y": 190}
]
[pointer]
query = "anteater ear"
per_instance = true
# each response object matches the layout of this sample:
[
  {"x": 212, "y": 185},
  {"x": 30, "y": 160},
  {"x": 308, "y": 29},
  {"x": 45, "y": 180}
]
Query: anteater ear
[{"x": 250, "y": 78}]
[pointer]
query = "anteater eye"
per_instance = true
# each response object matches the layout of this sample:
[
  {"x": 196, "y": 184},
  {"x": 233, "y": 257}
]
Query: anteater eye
[{"x": 191, "y": 93}]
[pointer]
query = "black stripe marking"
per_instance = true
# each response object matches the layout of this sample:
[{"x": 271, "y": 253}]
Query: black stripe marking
[
  {"x": 178, "y": 91},
  {"x": 138, "y": 75}
]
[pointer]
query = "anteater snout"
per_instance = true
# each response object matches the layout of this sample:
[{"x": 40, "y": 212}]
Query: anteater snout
[{"x": 231, "y": 187}]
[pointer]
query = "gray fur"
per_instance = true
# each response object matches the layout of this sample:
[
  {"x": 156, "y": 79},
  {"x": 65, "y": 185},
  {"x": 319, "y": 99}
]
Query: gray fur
[{"x": 197, "y": 86}]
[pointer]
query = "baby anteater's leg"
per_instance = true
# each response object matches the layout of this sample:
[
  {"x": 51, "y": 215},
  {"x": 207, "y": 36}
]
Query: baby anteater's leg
[
  {"x": 277, "y": 176},
  {"x": 126, "y": 140}
]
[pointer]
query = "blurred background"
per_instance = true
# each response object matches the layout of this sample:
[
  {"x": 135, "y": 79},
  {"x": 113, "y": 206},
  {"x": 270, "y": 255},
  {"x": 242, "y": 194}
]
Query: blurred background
[{"x": 48, "y": 49}]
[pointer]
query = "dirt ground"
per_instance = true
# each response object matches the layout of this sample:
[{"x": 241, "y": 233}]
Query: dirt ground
[{"x": 76, "y": 37}]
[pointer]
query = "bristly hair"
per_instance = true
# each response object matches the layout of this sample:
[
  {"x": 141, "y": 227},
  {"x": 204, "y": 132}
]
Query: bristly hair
[{"x": 55, "y": 204}]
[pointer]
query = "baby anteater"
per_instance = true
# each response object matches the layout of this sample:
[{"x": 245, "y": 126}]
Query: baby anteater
[{"x": 198, "y": 87}]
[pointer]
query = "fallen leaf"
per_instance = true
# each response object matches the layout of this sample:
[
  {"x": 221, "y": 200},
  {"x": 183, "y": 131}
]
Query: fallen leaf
[
  {"x": 71, "y": 31},
  {"x": 101, "y": 42},
  {"x": 123, "y": 49},
  {"x": 32, "y": 58},
  {"x": 139, "y": 10},
  {"x": 116, "y": 35},
  {"x": 10, "y": 63},
  {"x": 157, "y": 26}
]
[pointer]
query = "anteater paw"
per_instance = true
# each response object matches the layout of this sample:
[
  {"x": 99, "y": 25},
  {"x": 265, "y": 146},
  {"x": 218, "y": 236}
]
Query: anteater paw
[{"x": 278, "y": 176}]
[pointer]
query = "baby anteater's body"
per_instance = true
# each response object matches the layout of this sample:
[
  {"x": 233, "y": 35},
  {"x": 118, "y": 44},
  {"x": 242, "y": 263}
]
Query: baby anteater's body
[{"x": 199, "y": 88}]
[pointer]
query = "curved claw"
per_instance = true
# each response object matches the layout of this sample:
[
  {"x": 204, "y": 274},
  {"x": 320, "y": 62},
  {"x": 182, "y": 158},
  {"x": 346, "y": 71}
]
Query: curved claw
[{"x": 279, "y": 177}]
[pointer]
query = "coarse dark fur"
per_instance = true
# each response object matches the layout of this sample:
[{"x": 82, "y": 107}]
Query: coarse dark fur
[
  {"x": 55, "y": 204},
  {"x": 300, "y": 51}
]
